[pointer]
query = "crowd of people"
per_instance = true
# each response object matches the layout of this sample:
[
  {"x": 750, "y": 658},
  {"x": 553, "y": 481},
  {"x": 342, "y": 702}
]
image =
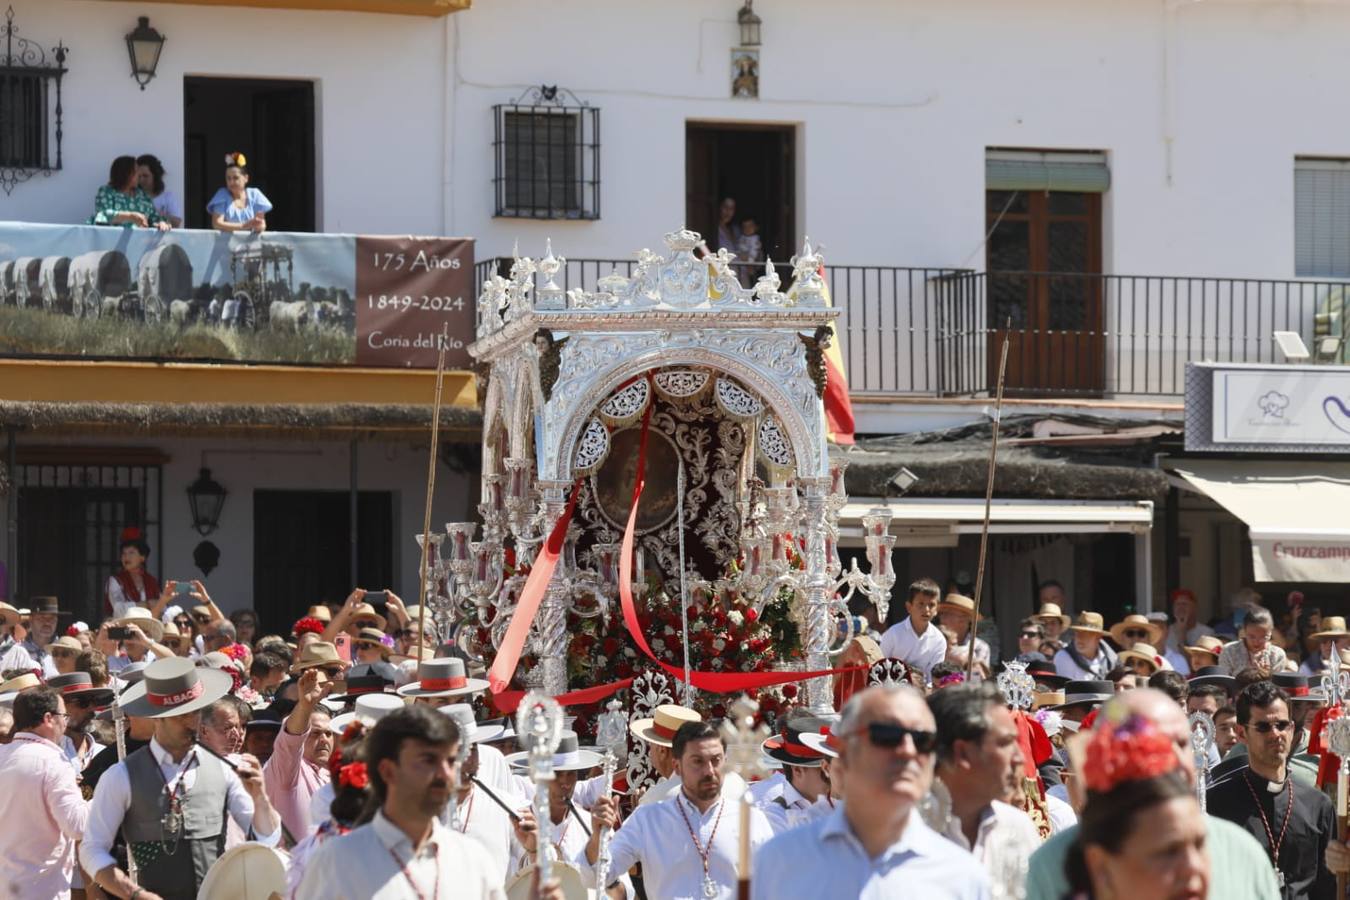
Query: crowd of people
[
  {"x": 136, "y": 197},
  {"x": 173, "y": 751}
]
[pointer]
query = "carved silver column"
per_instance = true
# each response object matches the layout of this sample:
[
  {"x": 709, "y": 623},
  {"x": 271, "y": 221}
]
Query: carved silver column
[
  {"x": 817, "y": 621},
  {"x": 550, "y": 626}
]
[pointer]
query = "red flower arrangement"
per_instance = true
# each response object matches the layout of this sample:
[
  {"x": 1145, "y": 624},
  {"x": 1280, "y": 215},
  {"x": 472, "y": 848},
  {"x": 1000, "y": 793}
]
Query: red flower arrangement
[
  {"x": 354, "y": 775},
  {"x": 1132, "y": 749},
  {"x": 307, "y": 625},
  {"x": 235, "y": 651}
]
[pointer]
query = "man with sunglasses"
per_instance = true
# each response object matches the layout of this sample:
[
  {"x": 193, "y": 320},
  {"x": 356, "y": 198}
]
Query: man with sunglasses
[
  {"x": 1292, "y": 823},
  {"x": 83, "y": 701},
  {"x": 874, "y": 844}
]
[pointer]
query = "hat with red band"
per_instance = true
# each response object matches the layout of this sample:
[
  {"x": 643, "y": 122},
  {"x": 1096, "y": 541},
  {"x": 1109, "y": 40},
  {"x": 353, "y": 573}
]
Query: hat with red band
[
  {"x": 788, "y": 747},
  {"x": 174, "y": 687},
  {"x": 79, "y": 684},
  {"x": 665, "y": 721},
  {"x": 442, "y": 677},
  {"x": 825, "y": 741}
]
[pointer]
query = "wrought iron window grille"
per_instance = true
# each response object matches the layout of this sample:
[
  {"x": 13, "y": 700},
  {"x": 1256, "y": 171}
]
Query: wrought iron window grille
[
  {"x": 546, "y": 147},
  {"x": 30, "y": 106}
]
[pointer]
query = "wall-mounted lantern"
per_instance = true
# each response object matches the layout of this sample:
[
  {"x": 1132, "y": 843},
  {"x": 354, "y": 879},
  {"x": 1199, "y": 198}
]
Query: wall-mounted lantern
[
  {"x": 144, "y": 45},
  {"x": 207, "y": 498}
]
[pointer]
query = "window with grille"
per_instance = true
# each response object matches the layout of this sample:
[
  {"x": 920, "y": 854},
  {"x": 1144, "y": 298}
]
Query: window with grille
[
  {"x": 1322, "y": 218},
  {"x": 30, "y": 106},
  {"x": 547, "y": 157}
]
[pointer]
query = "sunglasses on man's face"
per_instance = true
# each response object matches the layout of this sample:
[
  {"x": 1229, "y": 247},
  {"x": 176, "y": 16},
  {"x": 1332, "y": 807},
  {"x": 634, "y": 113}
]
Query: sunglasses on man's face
[
  {"x": 183, "y": 622},
  {"x": 1136, "y": 633},
  {"x": 202, "y": 620},
  {"x": 889, "y": 735},
  {"x": 1280, "y": 725},
  {"x": 1030, "y": 635}
]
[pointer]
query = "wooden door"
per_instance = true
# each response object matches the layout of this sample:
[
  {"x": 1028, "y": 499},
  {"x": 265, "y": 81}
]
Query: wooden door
[
  {"x": 1044, "y": 292},
  {"x": 753, "y": 164},
  {"x": 302, "y": 550}
]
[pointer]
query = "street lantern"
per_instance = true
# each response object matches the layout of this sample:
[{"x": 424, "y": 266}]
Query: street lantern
[
  {"x": 144, "y": 45},
  {"x": 207, "y": 498},
  {"x": 749, "y": 23}
]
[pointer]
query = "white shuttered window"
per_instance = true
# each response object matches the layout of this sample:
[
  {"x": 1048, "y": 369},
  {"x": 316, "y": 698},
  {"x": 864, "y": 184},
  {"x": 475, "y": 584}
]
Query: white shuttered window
[{"x": 1322, "y": 218}]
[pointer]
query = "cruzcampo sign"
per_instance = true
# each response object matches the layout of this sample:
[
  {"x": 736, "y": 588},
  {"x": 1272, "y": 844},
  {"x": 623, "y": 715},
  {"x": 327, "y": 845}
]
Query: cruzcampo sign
[{"x": 94, "y": 292}]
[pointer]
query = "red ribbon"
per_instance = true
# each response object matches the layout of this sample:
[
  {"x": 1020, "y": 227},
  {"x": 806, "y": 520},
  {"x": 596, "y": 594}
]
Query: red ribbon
[
  {"x": 504, "y": 666},
  {"x": 507, "y": 701},
  {"x": 181, "y": 697},
  {"x": 77, "y": 686},
  {"x": 714, "y": 682},
  {"x": 443, "y": 684},
  {"x": 793, "y": 748}
]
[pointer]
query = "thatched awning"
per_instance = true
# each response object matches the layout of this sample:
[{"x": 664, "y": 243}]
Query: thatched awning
[{"x": 308, "y": 421}]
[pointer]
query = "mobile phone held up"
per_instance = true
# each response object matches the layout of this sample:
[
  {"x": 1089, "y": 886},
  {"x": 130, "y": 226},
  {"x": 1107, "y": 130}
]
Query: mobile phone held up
[
  {"x": 379, "y": 601},
  {"x": 119, "y": 633},
  {"x": 182, "y": 588}
]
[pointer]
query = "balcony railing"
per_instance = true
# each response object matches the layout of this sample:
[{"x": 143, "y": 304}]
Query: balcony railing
[{"x": 938, "y": 332}]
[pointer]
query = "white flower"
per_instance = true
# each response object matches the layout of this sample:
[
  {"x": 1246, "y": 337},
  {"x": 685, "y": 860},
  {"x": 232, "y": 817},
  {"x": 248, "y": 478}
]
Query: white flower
[
  {"x": 658, "y": 645},
  {"x": 736, "y": 618},
  {"x": 719, "y": 645},
  {"x": 601, "y": 661},
  {"x": 670, "y": 629}
]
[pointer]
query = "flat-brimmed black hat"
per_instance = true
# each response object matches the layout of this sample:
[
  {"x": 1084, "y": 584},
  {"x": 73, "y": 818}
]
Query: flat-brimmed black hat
[
  {"x": 788, "y": 747},
  {"x": 51, "y": 605},
  {"x": 1212, "y": 675},
  {"x": 1044, "y": 672},
  {"x": 367, "y": 678},
  {"x": 1298, "y": 686},
  {"x": 79, "y": 684},
  {"x": 1080, "y": 692}
]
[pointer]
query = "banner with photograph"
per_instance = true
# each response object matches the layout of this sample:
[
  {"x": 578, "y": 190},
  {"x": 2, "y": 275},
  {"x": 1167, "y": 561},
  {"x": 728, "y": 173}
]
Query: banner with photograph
[{"x": 319, "y": 299}]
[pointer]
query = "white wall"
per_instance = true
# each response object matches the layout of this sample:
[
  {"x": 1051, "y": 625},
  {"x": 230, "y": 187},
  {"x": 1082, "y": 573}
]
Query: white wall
[
  {"x": 378, "y": 102},
  {"x": 245, "y": 466}
]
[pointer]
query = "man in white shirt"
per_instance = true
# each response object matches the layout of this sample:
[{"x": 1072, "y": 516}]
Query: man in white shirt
[
  {"x": 788, "y": 797},
  {"x": 657, "y": 733},
  {"x": 915, "y": 639},
  {"x": 874, "y": 844},
  {"x": 980, "y": 763},
  {"x": 1086, "y": 657},
  {"x": 13, "y": 656},
  {"x": 405, "y": 853},
  {"x": 688, "y": 844}
]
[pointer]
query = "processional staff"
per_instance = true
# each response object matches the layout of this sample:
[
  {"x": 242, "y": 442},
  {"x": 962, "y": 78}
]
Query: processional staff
[
  {"x": 744, "y": 757},
  {"x": 1202, "y": 741},
  {"x": 539, "y": 722},
  {"x": 611, "y": 733}
]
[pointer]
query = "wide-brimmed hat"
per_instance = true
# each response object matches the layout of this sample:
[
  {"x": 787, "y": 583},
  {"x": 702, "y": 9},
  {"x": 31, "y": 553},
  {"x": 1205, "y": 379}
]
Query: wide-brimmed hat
[
  {"x": 1156, "y": 633},
  {"x": 316, "y": 654},
  {"x": 1091, "y": 623},
  {"x": 248, "y": 871},
  {"x": 442, "y": 677},
  {"x": 263, "y": 721},
  {"x": 373, "y": 636},
  {"x": 1041, "y": 699},
  {"x": 1212, "y": 675},
  {"x": 21, "y": 682},
  {"x": 1043, "y": 671},
  {"x": 1146, "y": 653},
  {"x": 49, "y": 605},
  {"x": 9, "y": 615},
  {"x": 569, "y": 756},
  {"x": 1207, "y": 643},
  {"x": 132, "y": 672},
  {"x": 1298, "y": 686},
  {"x": 321, "y": 612},
  {"x": 1052, "y": 611},
  {"x": 521, "y": 885},
  {"x": 370, "y": 708},
  {"x": 958, "y": 603},
  {"x": 825, "y": 741},
  {"x": 1332, "y": 627},
  {"x": 1079, "y": 692},
  {"x": 66, "y": 642},
  {"x": 367, "y": 678},
  {"x": 175, "y": 687},
  {"x": 79, "y": 684},
  {"x": 143, "y": 619},
  {"x": 470, "y": 729},
  {"x": 364, "y": 611},
  {"x": 666, "y": 720},
  {"x": 788, "y": 747}
]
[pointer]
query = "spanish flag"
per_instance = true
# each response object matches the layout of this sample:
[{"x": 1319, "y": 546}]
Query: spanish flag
[{"x": 838, "y": 406}]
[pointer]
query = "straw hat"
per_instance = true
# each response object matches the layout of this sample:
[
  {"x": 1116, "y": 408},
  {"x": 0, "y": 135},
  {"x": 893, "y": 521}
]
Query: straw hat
[
  {"x": 1047, "y": 698},
  {"x": 316, "y": 654},
  {"x": 321, "y": 612},
  {"x": 665, "y": 721},
  {"x": 364, "y": 612},
  {"x": 1332, "y": 627},
  {"x": 9, "y": 615},
  {"x": 1146, "y": 653},
  {"x": 370, "y": 708},
  {"x": 143, "y": 619},
  {"x": 1207, "y": 644},
  {"x": 470, "y": 729},
  {"x": 569, "y": 757},
  {"x": 1156, "y": 633},
  {"x": 20, "y": 683},
  {"x": 175, "y": 687},
  {"x": 1089, "y": 623},
  {"x": 373, "y": 637},
  {"x": 443, "y": 677},
  {"x": 958, "y": 603},
  {"x": 249, "y": 871},
  {"x": 1052, "y": 611},
  {"x": 66, "y": 642},
  {"x": 521, "y": 887}
]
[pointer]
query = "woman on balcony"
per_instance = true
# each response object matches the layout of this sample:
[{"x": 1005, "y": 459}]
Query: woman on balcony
[
  {"x": 238, "y": 207},
  {"x": 122, "y": 202},
  {"x": 150, "y": 176}
]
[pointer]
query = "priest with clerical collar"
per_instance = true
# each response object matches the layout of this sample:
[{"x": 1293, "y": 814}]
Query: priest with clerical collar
[
  {"x": 1292, "y": 823},
  {"x": 170, "y": 798},
  {"x": 689, "y": 843}
]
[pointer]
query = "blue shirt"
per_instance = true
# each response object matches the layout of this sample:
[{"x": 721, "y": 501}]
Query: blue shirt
[
  {"x": 254, "y": 202},
  {"x": 825, "y": 859}
]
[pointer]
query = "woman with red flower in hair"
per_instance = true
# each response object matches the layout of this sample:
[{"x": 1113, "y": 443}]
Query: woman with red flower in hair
[
  {"x": 132, "y": 585},
  {"x": 1142, "y": 833}
]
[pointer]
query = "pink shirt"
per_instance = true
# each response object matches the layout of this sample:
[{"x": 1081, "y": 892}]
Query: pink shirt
[
  {"x": 290, "y": 782},
  {"x": 42, "y": 815}
]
